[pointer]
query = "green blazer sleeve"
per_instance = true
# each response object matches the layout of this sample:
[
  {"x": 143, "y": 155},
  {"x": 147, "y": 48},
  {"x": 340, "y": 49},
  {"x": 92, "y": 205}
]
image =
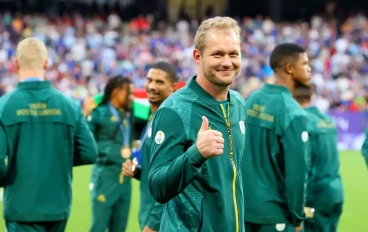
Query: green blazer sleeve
[
  {"x": 154, "y": 219},
  {"x": 3, "y": 155},
  {"x": 85, "y": 145},
  {"x": 172, "y": 166},
  {"x": 296, "y": 148},
  {"x": 365, "y": 147}
]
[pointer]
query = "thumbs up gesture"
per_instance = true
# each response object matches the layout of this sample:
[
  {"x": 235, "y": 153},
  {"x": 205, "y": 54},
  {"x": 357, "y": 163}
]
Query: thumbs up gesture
[{"x": 210, "y": 143}]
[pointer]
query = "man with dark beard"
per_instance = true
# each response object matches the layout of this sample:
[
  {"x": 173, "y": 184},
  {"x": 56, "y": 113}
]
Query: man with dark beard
[
  {"x": 275, "y": 163},
  {"x": 160, "y": 84}
]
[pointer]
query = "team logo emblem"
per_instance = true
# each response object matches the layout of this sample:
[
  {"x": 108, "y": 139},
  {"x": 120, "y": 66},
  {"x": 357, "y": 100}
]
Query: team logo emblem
[
  {"x": 113, "y": 119},
  {"x": 160, "y": 137},
  {"x": 305, "y": 136},
  {"x": 280, "y": 227}
]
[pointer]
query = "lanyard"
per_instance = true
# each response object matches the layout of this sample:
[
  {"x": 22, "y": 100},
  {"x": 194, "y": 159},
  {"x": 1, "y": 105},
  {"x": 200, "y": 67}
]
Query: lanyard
[
  {"x": 138, "y": 154},
  {"x": 228, "y": 126},
  {"x": 123, "y": 124}
]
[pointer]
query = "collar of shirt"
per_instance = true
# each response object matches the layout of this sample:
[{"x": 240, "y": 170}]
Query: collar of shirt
[
  {"x": 312, "y": 109},
  {"x": 30, "y": 79},
  {"x": 203, "y": 94},
  {"x": 276, "y": 88}
]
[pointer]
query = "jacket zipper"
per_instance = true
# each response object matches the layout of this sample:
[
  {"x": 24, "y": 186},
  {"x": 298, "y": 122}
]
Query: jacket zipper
[{"x": 228, "y": 126}]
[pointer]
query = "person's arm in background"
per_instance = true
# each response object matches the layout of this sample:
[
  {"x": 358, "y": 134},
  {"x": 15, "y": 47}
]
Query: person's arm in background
[
  {"x": 3, "y": 155},
  {"x": 85, "y": 148},
  {"x": 296, "y": 151},
  {"x": 365, "y": 147}
]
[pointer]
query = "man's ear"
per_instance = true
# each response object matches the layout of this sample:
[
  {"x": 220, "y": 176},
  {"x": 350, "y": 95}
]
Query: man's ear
[
  {"x": 16, "y": 62},
  {"x": 289, "y": 68},
  {"x": 174, "y": 86},
  {"x": 45, "y": 64},
  {"x": 197, "y": 56}
]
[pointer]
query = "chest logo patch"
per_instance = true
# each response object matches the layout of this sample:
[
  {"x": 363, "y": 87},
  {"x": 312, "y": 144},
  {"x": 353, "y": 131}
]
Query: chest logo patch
[
  {"x": 160, "y": 137},
  {"x": 242, "y": 127},
  {"x": 305, "y": 136},
  {"x": 280, "y": 227},
  {"x": 113, "y": 119}
]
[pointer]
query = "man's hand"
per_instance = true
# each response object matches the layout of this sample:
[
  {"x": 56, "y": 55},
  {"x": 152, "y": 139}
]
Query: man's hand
[
  {"x": 127, "y": 168},
  {"x": 147, "y": 229},
  {"x": 209, "y": 142},
  {"x": 299, "y": 228}
]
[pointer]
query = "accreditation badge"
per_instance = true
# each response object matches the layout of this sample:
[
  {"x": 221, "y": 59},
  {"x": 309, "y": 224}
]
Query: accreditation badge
[{"x": 126, "y": 152}]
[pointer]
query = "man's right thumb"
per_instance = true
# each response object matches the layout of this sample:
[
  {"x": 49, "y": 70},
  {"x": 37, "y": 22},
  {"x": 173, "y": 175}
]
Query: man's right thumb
[{"x": 204, "y": 125}]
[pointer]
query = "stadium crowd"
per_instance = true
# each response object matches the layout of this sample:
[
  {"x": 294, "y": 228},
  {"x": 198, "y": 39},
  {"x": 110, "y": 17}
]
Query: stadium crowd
[{"x": 85, "y": 52}]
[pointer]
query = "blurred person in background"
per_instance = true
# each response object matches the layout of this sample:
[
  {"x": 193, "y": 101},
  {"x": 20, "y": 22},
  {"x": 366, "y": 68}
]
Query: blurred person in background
[
  {"x": 276, "y": 147},
  {"x": 160, "y": 84},
  {"x": 337, "y": 54},
  {"x": 43, "y": 135},
  {"x": 111, "y": 125},
  {"x": 364, "y": 149},
  {"x": 324, "y": 190}
]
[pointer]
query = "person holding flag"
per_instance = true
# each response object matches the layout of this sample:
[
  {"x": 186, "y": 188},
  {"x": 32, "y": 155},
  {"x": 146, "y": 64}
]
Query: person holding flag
[
  {"x": 160, "y": 84},
  {"x": 110, "y": 123}
]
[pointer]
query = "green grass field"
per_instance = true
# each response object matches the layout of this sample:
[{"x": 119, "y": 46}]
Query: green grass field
[{"x": 353, "y": 170}]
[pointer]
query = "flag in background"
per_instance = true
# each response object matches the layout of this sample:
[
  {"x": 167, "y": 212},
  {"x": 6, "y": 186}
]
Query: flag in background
[{"x": 141, "y": 105}]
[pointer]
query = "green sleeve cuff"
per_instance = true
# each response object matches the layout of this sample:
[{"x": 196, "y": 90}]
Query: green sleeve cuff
[{"x": 195, "y": 157}]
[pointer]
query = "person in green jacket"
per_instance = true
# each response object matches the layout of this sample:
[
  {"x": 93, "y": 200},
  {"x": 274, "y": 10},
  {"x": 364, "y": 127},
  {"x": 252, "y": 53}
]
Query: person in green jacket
[
  {"x": 325, "y": 191},
  {"x": 364, "y": 149},
  {"x": 275, "y": 164},
  {"x": 111, "y": 126},
  {"x": 160, "y": 84},
  {"x": 43, "y": 135},
  {"x": 198, "y": 139}
]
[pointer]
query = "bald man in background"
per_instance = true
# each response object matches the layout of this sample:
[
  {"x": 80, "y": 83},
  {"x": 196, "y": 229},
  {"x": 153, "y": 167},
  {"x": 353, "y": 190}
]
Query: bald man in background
[{"x": 43, "y": 134}]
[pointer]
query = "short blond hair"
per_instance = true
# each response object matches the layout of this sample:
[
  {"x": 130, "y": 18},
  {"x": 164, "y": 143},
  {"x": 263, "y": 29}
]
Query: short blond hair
[
  {"x": 216, "y": 22},
  {"x": 31, "y": 54}
]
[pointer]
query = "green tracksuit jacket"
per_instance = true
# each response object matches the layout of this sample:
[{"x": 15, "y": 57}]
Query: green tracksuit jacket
[
  {"x": 365, "y": 147},
  {"x": 275, "y": 165},
  {"x": 324, "y": 182},
  {"x": 324, "y": 190},
  {"x": 111, "y": 192},
  {"x": 199, "y": 194},
  {"x": 150, "y": 211},
  {"x": 43, "y": 134}
]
